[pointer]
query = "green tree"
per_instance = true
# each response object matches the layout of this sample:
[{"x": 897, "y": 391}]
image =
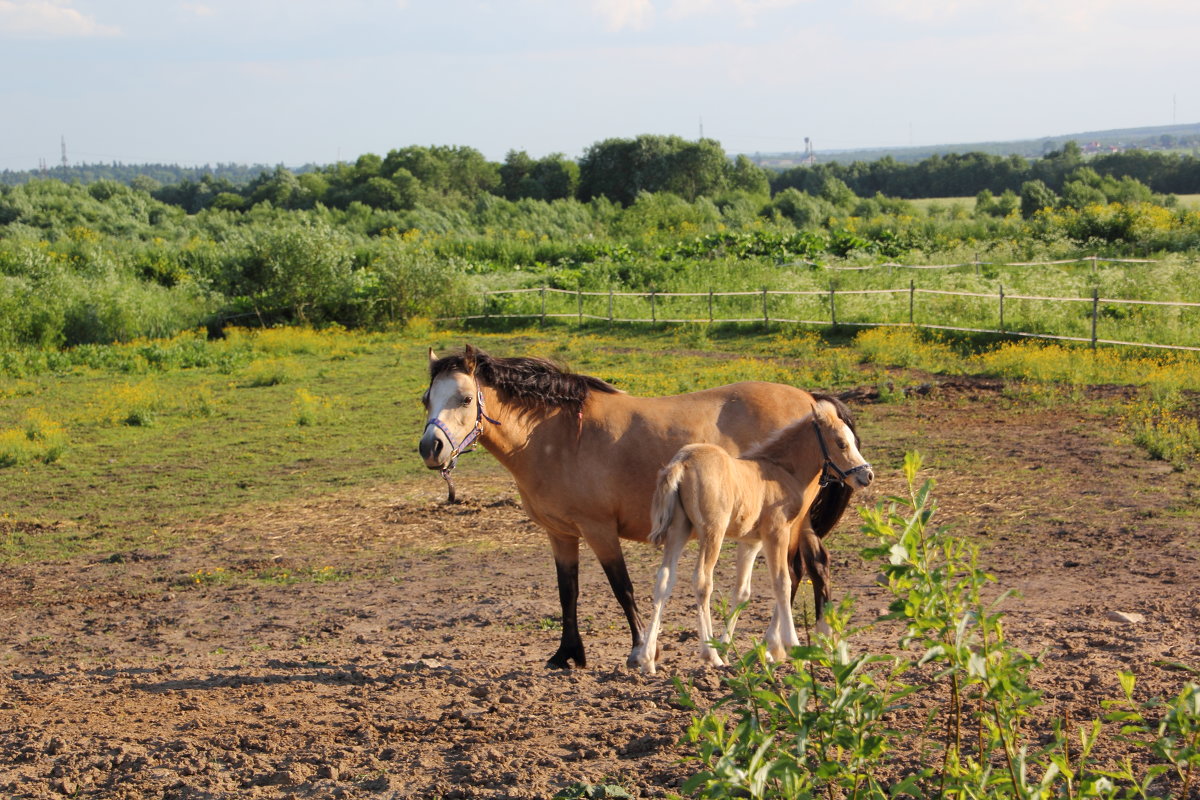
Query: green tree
[
  {"x": 513, "y": 172},
  {"x": 1035, "y": 196},
  {"x": 554, "y": 177},
  {"x": 746, "y": 176},
  {"x": 304, "y": 269}
]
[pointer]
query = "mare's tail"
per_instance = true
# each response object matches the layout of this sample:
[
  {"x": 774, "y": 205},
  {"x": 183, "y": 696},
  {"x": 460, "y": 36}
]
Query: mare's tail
[{"x": 666, "y": 503}]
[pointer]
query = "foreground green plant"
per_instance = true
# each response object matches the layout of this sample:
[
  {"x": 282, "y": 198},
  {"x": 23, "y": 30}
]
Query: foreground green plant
[{"x": 817, "y": 725}]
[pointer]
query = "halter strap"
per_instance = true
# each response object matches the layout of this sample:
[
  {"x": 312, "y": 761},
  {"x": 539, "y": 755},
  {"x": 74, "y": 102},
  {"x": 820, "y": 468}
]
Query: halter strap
[{"x": 839, "y": 475}]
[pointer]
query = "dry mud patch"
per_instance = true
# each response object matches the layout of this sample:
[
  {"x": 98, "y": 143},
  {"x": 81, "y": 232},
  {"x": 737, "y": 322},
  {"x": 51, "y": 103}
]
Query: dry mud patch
[{"x": 377, "y": 643}]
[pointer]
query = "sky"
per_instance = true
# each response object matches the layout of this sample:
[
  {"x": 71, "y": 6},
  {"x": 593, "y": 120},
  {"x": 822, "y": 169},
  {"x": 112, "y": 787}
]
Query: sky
[{"x": 296, "y": 82}]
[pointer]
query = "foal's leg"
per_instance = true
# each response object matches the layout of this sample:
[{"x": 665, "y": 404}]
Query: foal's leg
[
  {"x": 781, "y": 633},
  {"x": 677, "y": 536},
  {"x": 746, "y": 553},
  {"x": 566, "y": 565},
  {"x": 710, "y": 536}
]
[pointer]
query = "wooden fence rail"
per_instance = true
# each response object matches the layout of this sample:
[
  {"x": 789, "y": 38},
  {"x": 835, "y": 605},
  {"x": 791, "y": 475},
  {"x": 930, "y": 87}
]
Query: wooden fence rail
[{"x": 829, "y": 299}]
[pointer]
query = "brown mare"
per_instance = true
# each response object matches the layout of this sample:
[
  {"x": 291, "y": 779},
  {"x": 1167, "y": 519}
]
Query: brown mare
[
  {"x": 585, "y": 456},
  {"x": 756, "y": 498}
]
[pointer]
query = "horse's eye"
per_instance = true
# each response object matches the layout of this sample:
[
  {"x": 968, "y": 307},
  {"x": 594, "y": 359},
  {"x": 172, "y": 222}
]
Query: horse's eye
[
  {"x": 841, "y": 443},
  {"x": 466, "y": 401}
]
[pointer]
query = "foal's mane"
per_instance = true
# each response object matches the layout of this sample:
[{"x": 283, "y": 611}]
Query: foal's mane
[
  {"x": 530, "y": 382},
  {"x": 831, "y": 500}
]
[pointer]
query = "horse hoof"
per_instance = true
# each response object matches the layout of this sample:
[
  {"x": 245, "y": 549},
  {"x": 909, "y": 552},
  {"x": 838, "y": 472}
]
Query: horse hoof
[{"x": 562, "y": 660}]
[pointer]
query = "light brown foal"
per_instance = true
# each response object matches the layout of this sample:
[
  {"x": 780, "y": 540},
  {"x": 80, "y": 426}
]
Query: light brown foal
[{"x": 759, "y": 499}]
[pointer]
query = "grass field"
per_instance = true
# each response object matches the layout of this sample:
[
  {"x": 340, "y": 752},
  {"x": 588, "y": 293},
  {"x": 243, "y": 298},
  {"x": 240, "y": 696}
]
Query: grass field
[{"x": 113, "y": 446}]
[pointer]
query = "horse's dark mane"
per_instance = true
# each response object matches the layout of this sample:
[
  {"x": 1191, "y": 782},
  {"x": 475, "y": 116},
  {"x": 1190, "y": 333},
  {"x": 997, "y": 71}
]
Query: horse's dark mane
[{"x": 530, "y": 382}]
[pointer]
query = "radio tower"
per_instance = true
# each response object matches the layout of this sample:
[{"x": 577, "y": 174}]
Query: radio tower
[{"x": 65, "y": 163}]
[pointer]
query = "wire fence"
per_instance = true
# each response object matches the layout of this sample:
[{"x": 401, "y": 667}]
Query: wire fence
[{"x": 830, "y": 308}]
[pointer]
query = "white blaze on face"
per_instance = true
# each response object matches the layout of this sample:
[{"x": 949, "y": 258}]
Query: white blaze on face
[
  {"x": 843, "y": 447},
  {"x": 451, "y": 401}
]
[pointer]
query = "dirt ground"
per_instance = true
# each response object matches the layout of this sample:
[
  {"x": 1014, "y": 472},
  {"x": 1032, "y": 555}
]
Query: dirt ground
[{"x": 395, "y": 646}]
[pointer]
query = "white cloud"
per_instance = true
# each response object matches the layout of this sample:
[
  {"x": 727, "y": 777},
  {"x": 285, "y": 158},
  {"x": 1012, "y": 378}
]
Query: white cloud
[
  {"x": 198, "y": 9},
  {"x": 44, "y": 19},
  {"x": 621, "y": 14}
]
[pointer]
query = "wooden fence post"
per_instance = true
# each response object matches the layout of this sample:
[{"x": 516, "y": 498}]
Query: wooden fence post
[
  {"x": 766, "y": 319},
  {"x": 710, "y": 306},
  {"x": 1095, "y": 312},
  {"x": 543, "y": 305},
  {"x": 579, "y": 300},
  {"x": 610, "y": 306},
  {"x": 487, "y": 306},
  {"x": 832, "y": 307},
  {"x": 1002, "y": 308},
  {"x": 653, "y": 307},
  {"x": 912, "y": 293}
]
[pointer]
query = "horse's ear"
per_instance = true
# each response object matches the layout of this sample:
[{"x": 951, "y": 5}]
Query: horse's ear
[
  {"x": 469, "y": 355},
  {"x": 432, "y": 356}
]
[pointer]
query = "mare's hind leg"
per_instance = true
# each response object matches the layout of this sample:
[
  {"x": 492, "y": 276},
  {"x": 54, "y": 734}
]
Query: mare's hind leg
[
  {"x": 747, "y": 552},
  {"x": 646, "y": 654},
  {"x": 811, "y": 560},
  {"x": 566, "y": 565}
]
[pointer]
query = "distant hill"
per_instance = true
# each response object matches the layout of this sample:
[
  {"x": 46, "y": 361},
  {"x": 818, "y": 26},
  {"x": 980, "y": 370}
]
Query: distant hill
[{"x": 1185, "y": 138}]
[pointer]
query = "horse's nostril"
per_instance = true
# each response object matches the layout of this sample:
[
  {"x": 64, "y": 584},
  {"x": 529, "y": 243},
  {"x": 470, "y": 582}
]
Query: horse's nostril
[{"x": 430, "y": 447}]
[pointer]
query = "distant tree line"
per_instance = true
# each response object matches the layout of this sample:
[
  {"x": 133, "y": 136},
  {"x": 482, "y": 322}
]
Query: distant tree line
[
  {"x": 969, "y": 174},
  {"x": 139, "y": 176},
  {"x": 619, "y": 170}
]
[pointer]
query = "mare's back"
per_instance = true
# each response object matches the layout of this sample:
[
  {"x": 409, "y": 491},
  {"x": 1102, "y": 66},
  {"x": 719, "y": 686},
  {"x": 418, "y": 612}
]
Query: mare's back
[{"x": 636, "y": 436}]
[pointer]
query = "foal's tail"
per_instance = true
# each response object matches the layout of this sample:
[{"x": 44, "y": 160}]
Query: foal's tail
[{"x": 666, "y": 503}]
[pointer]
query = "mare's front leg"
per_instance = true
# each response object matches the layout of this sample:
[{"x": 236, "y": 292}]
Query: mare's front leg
[
  {"x": 605, "y": 543},
  {"x": 566, "y": 565}
]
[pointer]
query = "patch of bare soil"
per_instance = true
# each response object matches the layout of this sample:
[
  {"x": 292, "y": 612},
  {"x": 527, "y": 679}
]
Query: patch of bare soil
[{"x": 379, "y": 644}]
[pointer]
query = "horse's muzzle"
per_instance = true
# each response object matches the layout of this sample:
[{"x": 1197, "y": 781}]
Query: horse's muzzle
[
  {"x": 434, "y": 449},
  {"x": 863, "y": 477}
]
